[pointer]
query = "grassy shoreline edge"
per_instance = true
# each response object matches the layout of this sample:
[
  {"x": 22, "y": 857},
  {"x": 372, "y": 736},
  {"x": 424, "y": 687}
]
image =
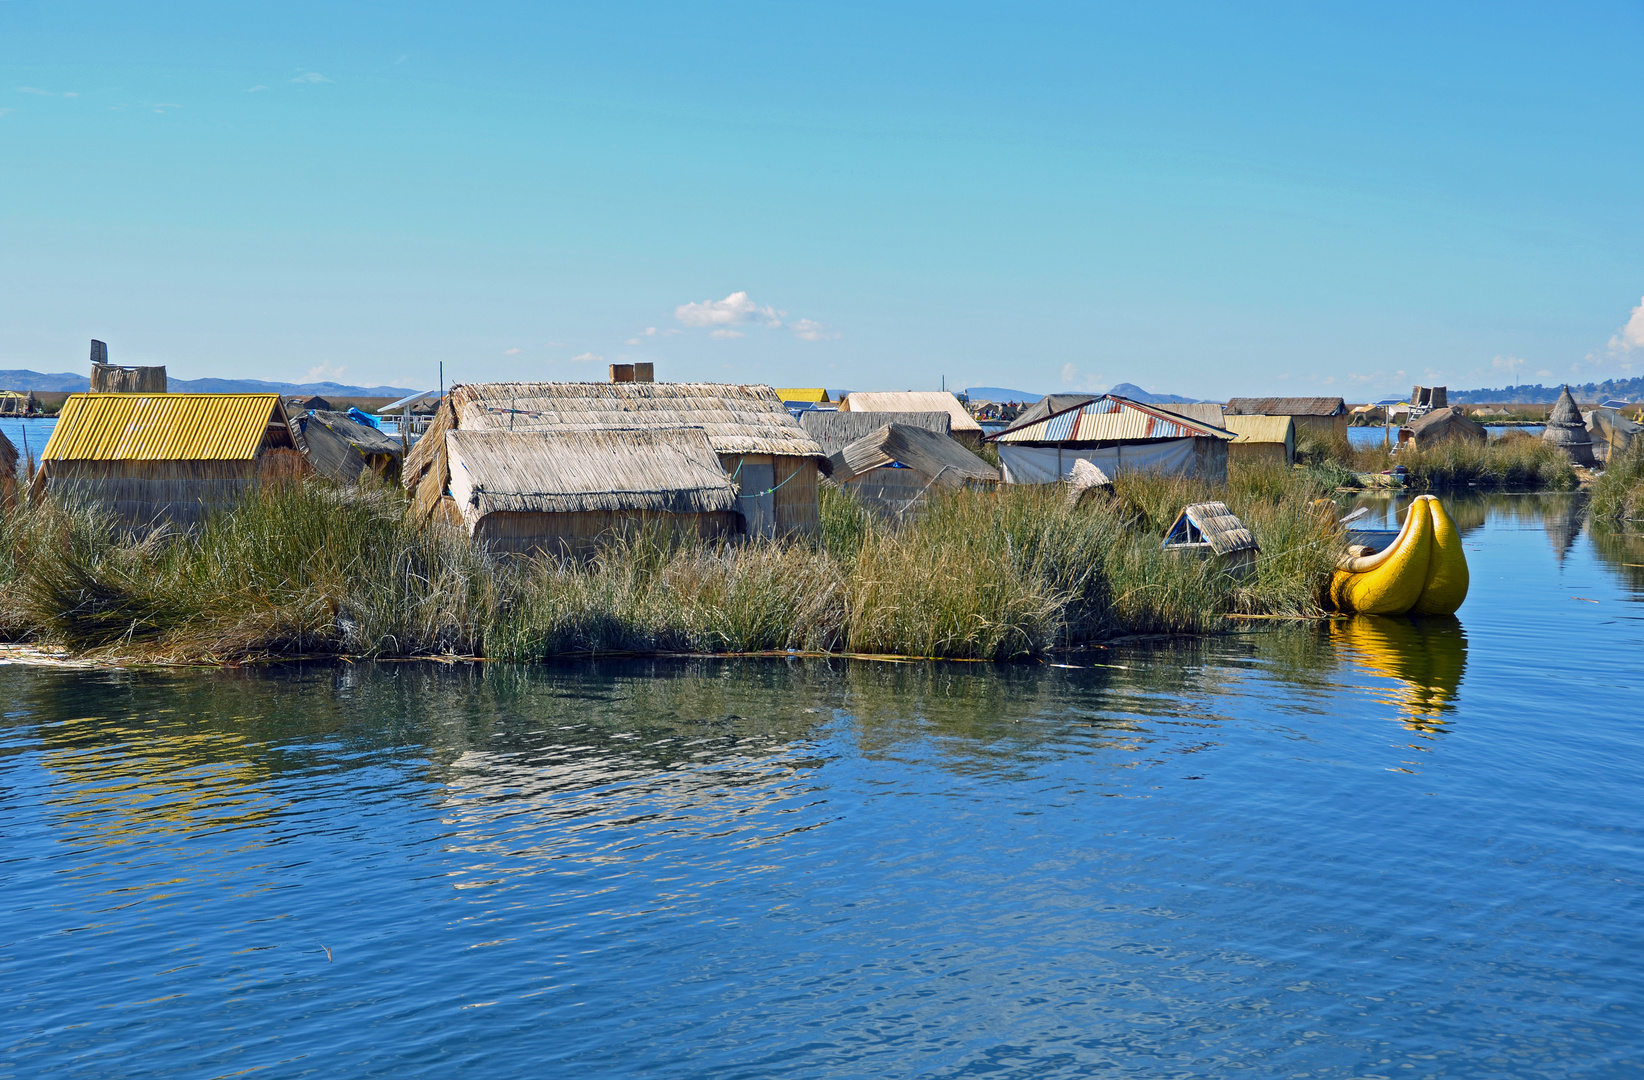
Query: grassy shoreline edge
[{"x": 308, "y": 570}]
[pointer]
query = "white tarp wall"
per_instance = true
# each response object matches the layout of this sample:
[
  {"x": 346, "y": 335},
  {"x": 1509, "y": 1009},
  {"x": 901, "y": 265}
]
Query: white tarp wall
[{"x": 1048, "y": 464}]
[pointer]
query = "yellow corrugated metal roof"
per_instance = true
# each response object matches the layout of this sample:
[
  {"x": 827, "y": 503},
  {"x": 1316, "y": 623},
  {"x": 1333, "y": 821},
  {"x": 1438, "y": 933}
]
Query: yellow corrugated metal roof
[
  {"x": 160, "y": 427},
  {"x": 1260, "y": 429},
  {"x": 813, "y": 394}
]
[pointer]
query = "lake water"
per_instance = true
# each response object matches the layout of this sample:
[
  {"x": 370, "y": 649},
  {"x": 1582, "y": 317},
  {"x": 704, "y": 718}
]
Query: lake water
[
  {"x": 1363, "y": 848},
  {"x": 1376, "y": 436}
]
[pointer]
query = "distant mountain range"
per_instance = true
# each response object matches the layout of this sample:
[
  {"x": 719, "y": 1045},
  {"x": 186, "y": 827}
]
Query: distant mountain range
[
  {"x": 1124, "y": 389},
  {"x": 24, "y": 380},
  {"x": 1626, "y": 389}
]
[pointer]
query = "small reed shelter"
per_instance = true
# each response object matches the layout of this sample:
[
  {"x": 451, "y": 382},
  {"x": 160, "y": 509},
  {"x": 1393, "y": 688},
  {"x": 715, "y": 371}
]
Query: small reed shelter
[
  {"x": 1211, "y": 530},
  {"x": 149, "y": 458},
  {"x": 762, "y": 449},
  {"x": 1116, "y": 435},
  {"x": 1265, "y": 440},
  {"x": 1611, "y": 433},
  {"x": 1312, "y": 415},
  {"x": 1567, "y": 431},
  {"x": 1439, "y": 425},
  {"x": 343, "y": 449},
  {"x": 892, "y": 469},
  {"x": 558, "y": 493},
  {"x": 963, "y": 426}
]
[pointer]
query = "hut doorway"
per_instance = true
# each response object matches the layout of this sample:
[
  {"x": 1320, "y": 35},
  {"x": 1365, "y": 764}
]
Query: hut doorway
[{"x": 756, "y": 499}]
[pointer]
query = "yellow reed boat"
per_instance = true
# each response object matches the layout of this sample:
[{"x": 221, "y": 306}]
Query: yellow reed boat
[{"x": 1423, "y": 571}]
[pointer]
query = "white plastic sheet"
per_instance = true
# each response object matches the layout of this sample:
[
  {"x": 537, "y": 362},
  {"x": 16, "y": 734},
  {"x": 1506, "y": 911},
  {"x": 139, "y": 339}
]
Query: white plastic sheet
[{"x": 1048, "y": 464}]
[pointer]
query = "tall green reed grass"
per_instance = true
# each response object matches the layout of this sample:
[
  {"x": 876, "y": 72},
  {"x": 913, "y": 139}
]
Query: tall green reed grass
[
  {"x": 307, "y": 569},
  {"x": 1618, "y": 494}
]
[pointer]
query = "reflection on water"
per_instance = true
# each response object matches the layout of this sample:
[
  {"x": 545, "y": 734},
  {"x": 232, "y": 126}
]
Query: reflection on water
[
  {"x": 1162, "y": 858},
  {"x": 1424, "y": 656}
]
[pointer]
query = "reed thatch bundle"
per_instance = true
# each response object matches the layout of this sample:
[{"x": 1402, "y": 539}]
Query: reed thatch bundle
[
  {"x": 1567, "y": 431},
  {"x": 938, "y": 458},
  {"x": 835, "y": 430}
]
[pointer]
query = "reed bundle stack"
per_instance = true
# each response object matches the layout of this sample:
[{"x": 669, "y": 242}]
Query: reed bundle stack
[
  {"x": 1324, "y": 416},
  {"x": 1450, "y": 422}
]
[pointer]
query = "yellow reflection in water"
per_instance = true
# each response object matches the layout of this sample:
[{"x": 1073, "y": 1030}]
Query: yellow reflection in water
[
  {"x": 1425, "y": 657},
  {"x": 124, "y": 780}
]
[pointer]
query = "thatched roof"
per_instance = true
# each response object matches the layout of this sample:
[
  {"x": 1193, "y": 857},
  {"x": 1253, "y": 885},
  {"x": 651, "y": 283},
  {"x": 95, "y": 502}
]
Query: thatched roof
[
  {"x": 1210, "y": 523},
  {"x": 1084, "y": 479},
  {"x": 1447, "y": 423},
  {"x": 1565, "y": 413},
  {"x": 737, "y": 419},
  {"x": 1287, "y": 406},
  {"x": 837, "y": 430},
  {"x": 942, "y": 460},
  {"x": 912, "y": 401},
  {"x": 337, "y": 445},
  {"x": 1110, "y": 419},
  {"x": 1205, "y": 412},
  {"x": 1261, "y": 429},
  {"x": 8, "y": 455},
  {"x": 672, "y": 471},
  {"x": 166, "y": 427}
]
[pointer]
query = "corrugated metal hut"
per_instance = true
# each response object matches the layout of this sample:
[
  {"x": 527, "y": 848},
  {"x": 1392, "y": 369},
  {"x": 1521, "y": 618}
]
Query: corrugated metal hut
[
  {"x": 8, "y": 473},
  {"x": 892, "y": 469},
  {"x": 773, "y": 462},
  {"x": 1611, "y": 433},
  {"x": 1450, "y": 422},
  {"x": 344, "y": 449},
  {"x": 1261, "y": 439},
  {"x": 560, "y": 492},
  {"x": 1116, "y": 435},
  {"x": 172, "y": 457},
  {"x": 837, "y": 430},
  {"x": 1567, "y": 431},
  {"x": 1312, "y": 415},
  {"x": 963, "y": 426}
]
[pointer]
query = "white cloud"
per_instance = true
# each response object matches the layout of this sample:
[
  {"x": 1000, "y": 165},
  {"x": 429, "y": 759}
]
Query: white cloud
[
  {"x": 70, "y": 93},
  {"x": 734, "y": 310},
  {"x": 1630, "y": 336},
  {"x": 1544, "y": 373},
  {"x": 1078, "y": 380},
  {"x": 324, "y": 372},
  {"x": 35, "y": 90},
  {"x": 587, "y": 357},
  {"x": 5, "y": 111},
  {"x": 650, "y": 331},
  {"x": 310, "y": 77},
  {"x": 722, "y": 334},
  {"x": 811, "y": 330},
  {"x": 556, "y": 344},
  {"x": 255, "y": 89},
  {"x": 631, "y": 341},
  {"x": 510, "y": 352}
]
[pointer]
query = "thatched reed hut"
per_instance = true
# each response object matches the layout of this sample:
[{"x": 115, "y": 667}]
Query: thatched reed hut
[
  {"x": 1116, "y": 435},
  {"x": 1611, "y": 433},
  {"x": 837, "y": 430},
  {"x": 1311, "y": 415},
  {"x": 559, "y": 493},
  {"x": 892, "y": 469},
  {"x": 1269, "y": 440},
  {"x": 963, "y": 426},
  {"x": 1567, "y": 431},
  {"x": 344, "y": 449},
  {"x": 1450, "y": 422},
  {"x": 149, "y": 458},
  {"x": 774, "y": 464},
  {"x": 8, "y": 473},
  {"x": 1211, "y": 530}
]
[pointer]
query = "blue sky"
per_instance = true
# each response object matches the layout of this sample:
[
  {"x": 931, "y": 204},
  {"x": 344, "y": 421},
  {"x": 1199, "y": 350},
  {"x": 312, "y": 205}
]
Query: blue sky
[{"x": 1212, "y": 199}]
